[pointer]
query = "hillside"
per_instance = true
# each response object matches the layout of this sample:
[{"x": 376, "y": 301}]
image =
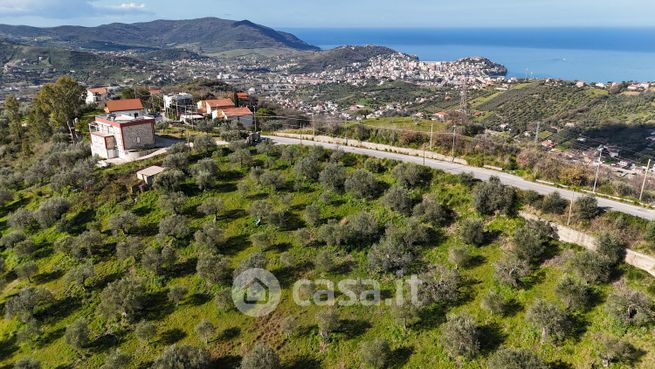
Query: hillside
[
  {"x": 205, "y": 35},
  {"x": 40, "y": 64},
  {"x": 148, "y": 274}
]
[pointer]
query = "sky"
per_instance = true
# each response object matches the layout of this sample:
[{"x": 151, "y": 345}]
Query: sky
[{"x": 340, "y": 13}]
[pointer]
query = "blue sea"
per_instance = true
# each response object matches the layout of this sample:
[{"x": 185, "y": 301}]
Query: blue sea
[{"x": 589, "y": 54}]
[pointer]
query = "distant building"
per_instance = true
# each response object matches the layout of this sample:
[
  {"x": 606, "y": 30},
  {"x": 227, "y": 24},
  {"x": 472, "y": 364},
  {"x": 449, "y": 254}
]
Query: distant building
[
  {"x": 116, "y": 136},
  {"x": 242, "y": 115},
  {"x": 97, "y": 95},
  {"x": 180, "y": 101},
  {"x": 131, "y": 107},
  {"x": 209, "y": 106},
  {"x": 154, "y": 90}
]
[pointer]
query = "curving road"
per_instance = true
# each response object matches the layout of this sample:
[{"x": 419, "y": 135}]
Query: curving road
[{"x": 479, "y": 173}]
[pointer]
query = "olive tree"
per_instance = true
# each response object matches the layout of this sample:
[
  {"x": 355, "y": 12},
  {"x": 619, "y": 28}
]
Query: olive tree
[
  {"x": 472, "y": 231},
  {"x": 592, "y": 267},
  {"x": 212, "y": 206},
  {"x": 175, "y": 226},
  {"x": 530, "y": 240},
  {"x": 145, "y": 331},
  {"x": 461, "y": 336},
  {"x": 177, "y": 293},
  {"x": 129, "y": 247},
  {"x": 553, "y": 322},
  {"x": 586, "y": 208},
  {"x": 495, "y": 303},
  {"x": 376, "y": 353},
  {"x": 116, "y": 360},
  {"x": 333, "y": 177},
  {"x": 308, "y": 168},
  {"x": 511, "y": 270},
  {"x": 361, "y": 184},
  {"x": 575, "y": 294},
  {"x": 553, "y": 203},
  {"x": 327, "y": 321},
  {"x": 430, "y": 211},
  {"x": 182, "y": 356},
  {"x": 172, "y": 202},
  {"x": 210, "y": 236},
  {"x": 510, "y": 358},
  {"x": 260, "y": 357},
  {"x": 124, "y": 223},
  {"x": 27, "y": 363},
  {"x": 179, "y": 161},
  {"x": 26, "y": 270},
  {"x": 77, "y": 334},
  {"x": 492, "y": 196},
  {"x": 170, "y": 180},
  {"x": 613, "y": 350},
  {"x": 122, "y": 299},
  {"x": 51, "y": 211},
  {"x": 205, "y": 330},
  {"x": 213, "y": 268},
  {"x": 204, "y": 144},
  {"x": 205, "y": 173},
  {"x": 441, "y": 285},
  {"x": 400, "y": 199},
  {"x": 630, "y": 307},
  {"x": 460, "y": 256},
  {"x": 612, "y": 247},
  {"x": 312, "y": 215},
  {"x": 412, "y": 175},
  {"x": 23, "y": 220}
]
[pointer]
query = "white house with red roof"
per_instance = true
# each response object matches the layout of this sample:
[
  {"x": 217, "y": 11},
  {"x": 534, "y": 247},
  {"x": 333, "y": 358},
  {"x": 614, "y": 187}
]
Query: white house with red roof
[
  {"x": 97, "y": 95},
  {"x": 209, "y": 106},
  {"x": 121, "y": 136},
  {"x": 242, "y": 115}
]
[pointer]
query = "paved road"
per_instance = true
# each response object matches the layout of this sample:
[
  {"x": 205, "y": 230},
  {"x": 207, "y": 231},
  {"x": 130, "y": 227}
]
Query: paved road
[{"x": 479, "y": 173}]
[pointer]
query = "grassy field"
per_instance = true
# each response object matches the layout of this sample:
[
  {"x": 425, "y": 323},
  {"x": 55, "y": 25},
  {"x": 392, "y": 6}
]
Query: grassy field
[{"x": 236, "y": 334}]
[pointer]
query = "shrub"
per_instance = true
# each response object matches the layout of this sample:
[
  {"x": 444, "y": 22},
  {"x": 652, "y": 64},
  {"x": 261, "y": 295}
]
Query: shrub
[
  {"x": 23, "y": 220},
  {"x": 27, "y": 363},
  {"x": 116, "y": 360},
  {"x": 205, "y": 330},
  {"x": 260, "y": 357},
  {"x": 472, "y": 231},
  {"x": 361, "y": 184},
  {"x": 325, "y": 261},
  {"x": 374, "y": 165},
  {"x": 145, "y": 331},
  {"x": 461, "y": 336},
  {"x": 441, "y": 285},
  {"x": 177, "y": 294},
  {"x": 182, "y": 356},
  {"x": 612, "y": 350},
  {"x": 376, "y": 353}
]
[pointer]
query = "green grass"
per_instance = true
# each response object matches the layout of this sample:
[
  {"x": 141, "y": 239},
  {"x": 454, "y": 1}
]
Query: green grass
[{"x": 416, "y": 348}]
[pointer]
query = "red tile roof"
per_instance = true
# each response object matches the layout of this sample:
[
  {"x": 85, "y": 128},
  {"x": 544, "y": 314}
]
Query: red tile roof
[
  {"x": 98, "y": 90},
  {"x": 243, "y": 95},
  {"x": 237, "y": 112},
  {"x": 220, "y": 103},
  {"x": 123, "y": 105}
]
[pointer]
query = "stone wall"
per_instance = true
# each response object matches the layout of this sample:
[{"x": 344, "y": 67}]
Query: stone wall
[{"x": 570, "y": 235}]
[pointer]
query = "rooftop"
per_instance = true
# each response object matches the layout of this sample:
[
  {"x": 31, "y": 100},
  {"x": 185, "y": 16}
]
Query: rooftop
[
  {"x": 237, "y": 112},
  {"x": 220, "y": 103},
  {"x": 123, "y": 105}
]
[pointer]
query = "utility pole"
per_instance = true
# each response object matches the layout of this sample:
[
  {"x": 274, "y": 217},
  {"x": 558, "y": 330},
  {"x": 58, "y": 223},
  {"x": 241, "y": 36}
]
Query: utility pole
[
  {"x": 536, "y": 135},
  {"x": 431, "y": 134},
  {"x": 454, "y": 141},
  {"x": 643, "y": 185},
  {"x": 600, "y": 160},
  {"x": 568, "y": 222}
]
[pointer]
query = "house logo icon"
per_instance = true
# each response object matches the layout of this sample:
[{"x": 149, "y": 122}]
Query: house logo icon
[{"x": 256, "y": 292}]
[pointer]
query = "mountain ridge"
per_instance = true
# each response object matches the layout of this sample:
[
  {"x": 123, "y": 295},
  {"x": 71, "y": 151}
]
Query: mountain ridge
[{"x": 203, "y": 35}]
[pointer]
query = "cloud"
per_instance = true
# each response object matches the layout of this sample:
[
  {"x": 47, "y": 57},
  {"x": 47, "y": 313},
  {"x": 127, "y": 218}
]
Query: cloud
[{"x": 67, "y": 9}]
